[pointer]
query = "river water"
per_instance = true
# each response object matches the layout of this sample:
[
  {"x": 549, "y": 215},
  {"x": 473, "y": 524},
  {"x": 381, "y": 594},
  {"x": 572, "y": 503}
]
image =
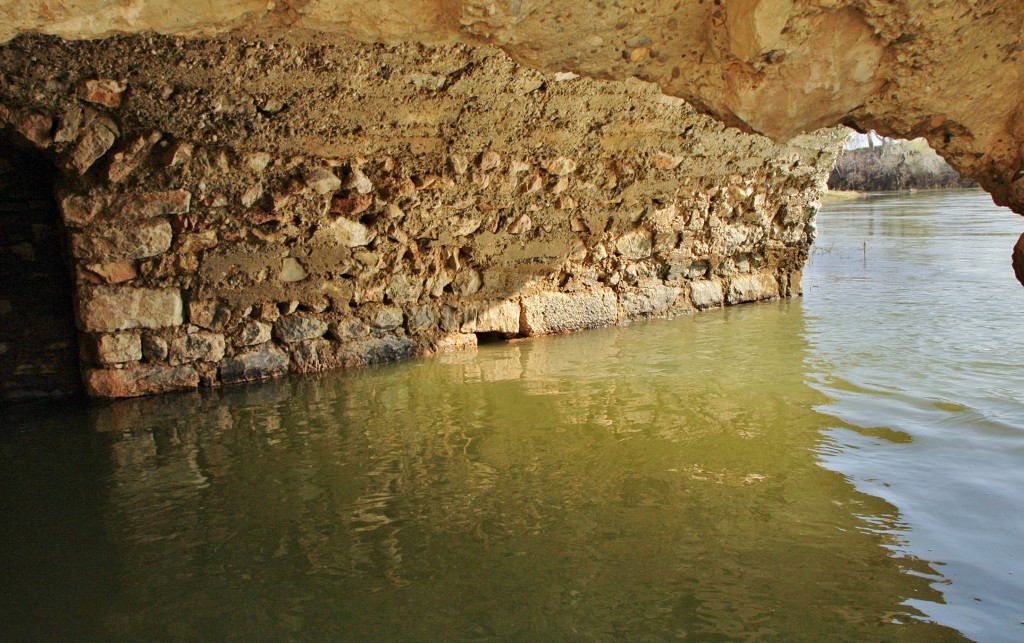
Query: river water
[{"x": 842, "y": 467}]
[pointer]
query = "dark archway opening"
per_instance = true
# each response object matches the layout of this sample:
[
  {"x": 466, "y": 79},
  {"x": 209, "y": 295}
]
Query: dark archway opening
[
  {"x": 491, "y": 338},
  {"x": 38, "y": 342}
]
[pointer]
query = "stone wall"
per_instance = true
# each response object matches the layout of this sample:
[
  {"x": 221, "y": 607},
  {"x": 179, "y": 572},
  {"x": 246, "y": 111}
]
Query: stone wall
[{"x": 241, "y": 208}]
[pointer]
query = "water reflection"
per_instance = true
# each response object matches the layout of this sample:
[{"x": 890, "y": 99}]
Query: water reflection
[
  {"x": 658, "y": 481},
  {"x": 920, "y": 340}
]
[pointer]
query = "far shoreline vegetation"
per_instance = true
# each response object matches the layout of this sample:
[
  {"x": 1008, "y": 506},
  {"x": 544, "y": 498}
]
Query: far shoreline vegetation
[{"x": 873, "y": 163}]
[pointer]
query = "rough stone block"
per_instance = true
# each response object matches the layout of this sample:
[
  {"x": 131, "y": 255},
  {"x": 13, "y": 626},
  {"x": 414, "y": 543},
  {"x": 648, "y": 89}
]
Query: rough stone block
[
  {"x": 321, "y": 180},
  {"x": 127, "y": 160},
  {"x": 146, "y": 239},
  {"x": 107, "y": 309},
  {"x": 560, "y": 312},
  {"x": 139, "y": 380},
  {"x": 154, "y": 349},
  {"x": 36, "y": 128},
  {"x": 422, "y": 318},
  {"x": 297, "y": 328},
  {"x": 102, "y": 91},
  {"x": 269, "y": 361},
  {"x": 746, "y": 288},
  {"x": 198, "y": 241},
  {"x": 254, "y": 332},
  {"x": 114, "y": 272},
  {"x": 404, "y": 289},
  {"x": 208, "y": 313},
  {"x": 314, "y": 355},
  {"x": 635, "y": 244},
  {"x": 648, "y": 300},
  {"x": 493, "y": 317},
  {"x": 205, "y": 347},
  {"x": 455, "y": 342},
  {"x": 147, "y": 205},
  {"x": 117, "y": 348},
  {"x": 377, "y": 351},
  {"x": 82, "y": 210},
  {"x": 95, "y": 140},
  {"x": 706, "y": 293}
]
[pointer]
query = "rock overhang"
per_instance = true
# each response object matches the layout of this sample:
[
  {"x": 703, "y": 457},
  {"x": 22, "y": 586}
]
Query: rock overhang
[{"x": 950, "y": 72}]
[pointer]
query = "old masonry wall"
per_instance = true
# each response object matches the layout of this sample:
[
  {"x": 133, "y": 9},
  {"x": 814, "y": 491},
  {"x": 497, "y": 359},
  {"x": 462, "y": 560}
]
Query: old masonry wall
[{"x": 239, "y": 208}]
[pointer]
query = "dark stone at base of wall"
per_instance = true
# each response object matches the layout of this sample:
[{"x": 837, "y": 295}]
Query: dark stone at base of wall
[{"x": 258, "y": 365}]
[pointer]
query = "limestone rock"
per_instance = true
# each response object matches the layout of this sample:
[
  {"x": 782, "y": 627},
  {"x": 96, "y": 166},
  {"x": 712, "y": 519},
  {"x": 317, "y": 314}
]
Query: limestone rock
[
  {"x": 139, "y": 380},
  {"x": 178, "y": 153},
  {"x": 493, "y": 317},
  {"x": 198, "y": 241},
  {"x": 455, "y": 342},
  {"x": 561, "y": 312},
  {"x": 146, "y": 239},
  {"x": 388, "y": 318},
  {"x": 123, "y": 163},
  {"x": 351, "y": 234},
  {"x": 321, "y": 181},
  {"x": 36, "y": 128},
  {"x": 746, "y": 288},
  {"x": 114, "y": 272},
  {"x": 200, "y": 346},
  {"x": 80, "y": 211},
  {"x": 358, "y": 182},
  {"x": 96, "y": 139},
  {"x": 208, "y": 313},
  {"x": 117, "y": 348},
  {"x": 70, "y": 124},
  {"x": 299, "y": 327},
  {"x": 635, "y": 244},
  {"x": 154, "y": 348},
  {"x": 706, "y": 293},
  {"x": 102, "y": 91},
  {"x": 422, "y": 318},
  {"x": 648, "y": 300},
  {"x": 254, "y": 332},
  {"x": 313, "y": 355},
  {"x": 108, "y": 309},
  {"x": 269, "y": 361},
  {"x": 377, "y": 351},
  {"x": 291, "y": 270},
  {"x": 560, "y": 166}
]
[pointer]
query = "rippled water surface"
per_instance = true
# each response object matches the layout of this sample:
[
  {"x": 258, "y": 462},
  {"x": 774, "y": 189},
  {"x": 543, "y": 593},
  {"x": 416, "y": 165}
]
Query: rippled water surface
[{"x": 845, "y": 467}]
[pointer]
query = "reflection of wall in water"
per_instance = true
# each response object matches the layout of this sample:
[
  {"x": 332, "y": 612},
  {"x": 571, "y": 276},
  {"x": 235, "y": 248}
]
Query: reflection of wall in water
[{"x": 604, "y": 464}]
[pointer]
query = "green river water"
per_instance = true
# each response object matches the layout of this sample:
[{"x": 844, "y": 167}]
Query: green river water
[{"x": 849, "y": 467}]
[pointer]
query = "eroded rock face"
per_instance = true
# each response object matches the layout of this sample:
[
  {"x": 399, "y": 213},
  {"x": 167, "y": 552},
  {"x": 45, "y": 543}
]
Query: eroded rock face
[
  {"x": 320, "y": 204},
  {"x": 948, "y": 71}
]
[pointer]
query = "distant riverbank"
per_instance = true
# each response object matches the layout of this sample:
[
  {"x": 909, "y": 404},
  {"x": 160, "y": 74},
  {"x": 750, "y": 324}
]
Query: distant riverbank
[{"x": 896, "y": 165}]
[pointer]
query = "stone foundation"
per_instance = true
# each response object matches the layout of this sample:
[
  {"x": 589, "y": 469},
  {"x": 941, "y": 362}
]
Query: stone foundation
[{"x": 238, "y": 209}]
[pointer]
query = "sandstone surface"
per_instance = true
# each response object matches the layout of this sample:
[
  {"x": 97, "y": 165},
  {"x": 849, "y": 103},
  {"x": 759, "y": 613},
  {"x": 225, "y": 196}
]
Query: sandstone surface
[{"x": 948, "y": 71}]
